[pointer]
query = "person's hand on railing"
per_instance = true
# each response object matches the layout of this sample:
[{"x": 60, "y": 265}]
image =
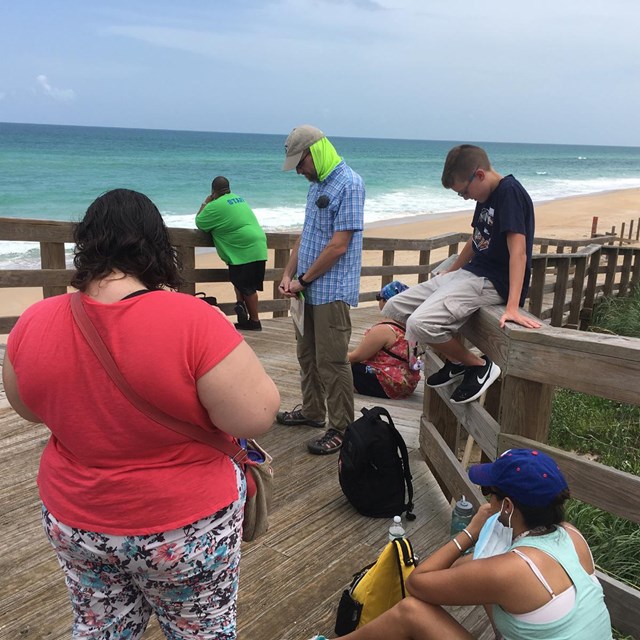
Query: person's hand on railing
[{"x": 518, "y": 318}]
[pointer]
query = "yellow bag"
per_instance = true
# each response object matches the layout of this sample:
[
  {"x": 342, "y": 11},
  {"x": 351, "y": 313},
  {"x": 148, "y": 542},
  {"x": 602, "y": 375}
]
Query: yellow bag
[{"x": 376, "y": 588}]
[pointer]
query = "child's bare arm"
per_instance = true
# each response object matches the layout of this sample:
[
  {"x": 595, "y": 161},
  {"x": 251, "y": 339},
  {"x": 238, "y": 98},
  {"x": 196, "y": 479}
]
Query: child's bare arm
[{"x": 517, "y": 266}]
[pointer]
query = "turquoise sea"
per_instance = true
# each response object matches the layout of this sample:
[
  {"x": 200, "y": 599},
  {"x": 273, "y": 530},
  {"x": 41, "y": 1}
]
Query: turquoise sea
[{"x": 54, "y": 172}]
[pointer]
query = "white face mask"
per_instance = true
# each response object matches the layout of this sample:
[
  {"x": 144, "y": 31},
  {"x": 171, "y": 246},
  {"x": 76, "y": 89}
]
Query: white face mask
[{"x": 494, "y": 537}]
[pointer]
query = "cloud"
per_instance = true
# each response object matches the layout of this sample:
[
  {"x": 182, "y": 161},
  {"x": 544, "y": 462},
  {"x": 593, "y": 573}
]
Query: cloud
[{"x": 59, "y": 95}]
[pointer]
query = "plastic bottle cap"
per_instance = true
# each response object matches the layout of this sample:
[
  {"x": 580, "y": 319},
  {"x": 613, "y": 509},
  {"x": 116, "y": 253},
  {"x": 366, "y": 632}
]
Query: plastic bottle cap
[
  {"x": 397, "y": 519},
  {"x": 463, "y": 506}
]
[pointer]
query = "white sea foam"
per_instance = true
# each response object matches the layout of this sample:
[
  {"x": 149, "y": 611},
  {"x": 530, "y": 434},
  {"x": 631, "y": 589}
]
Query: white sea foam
[
  {"x": 400, "y": 205},
  {"x": 26, "y": 255},
  {"x": 554, "y": 188}
]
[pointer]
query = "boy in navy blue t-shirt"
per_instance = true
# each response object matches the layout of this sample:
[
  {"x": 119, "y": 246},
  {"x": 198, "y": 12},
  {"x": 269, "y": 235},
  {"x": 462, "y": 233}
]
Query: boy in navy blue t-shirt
[{"x": 494, "y": 267}]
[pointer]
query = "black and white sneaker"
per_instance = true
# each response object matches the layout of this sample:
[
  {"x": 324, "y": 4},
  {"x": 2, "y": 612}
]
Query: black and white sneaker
[
  {"x": 476, "y": 381},
  {"x": 449, "y": 373}
]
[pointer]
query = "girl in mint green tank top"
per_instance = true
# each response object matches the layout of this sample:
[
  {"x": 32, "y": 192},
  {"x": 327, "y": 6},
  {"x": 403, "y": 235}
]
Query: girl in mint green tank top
[{"x": 533, "y": 572}]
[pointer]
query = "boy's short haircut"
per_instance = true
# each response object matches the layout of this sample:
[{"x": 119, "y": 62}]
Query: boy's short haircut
[{"x": 462, "y": 161}]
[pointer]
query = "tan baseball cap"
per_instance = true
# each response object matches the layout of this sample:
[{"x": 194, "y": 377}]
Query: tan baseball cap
[{"x": 300, "y": 139}]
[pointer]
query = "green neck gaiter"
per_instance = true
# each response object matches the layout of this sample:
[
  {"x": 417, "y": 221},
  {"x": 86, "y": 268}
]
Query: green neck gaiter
[{"x": 325, "y": 158}]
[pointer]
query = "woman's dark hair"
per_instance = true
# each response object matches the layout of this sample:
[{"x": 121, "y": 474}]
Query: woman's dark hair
[
  {"x": 538, "y": 516},
  {"x": 124, "y": 230}
]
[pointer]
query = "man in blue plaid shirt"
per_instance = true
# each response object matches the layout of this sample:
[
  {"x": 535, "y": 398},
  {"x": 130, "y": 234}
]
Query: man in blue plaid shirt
[{"x": 326, "y": 260}]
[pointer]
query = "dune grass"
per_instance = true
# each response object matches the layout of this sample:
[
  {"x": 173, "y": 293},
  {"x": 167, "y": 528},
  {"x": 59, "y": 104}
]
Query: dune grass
[{"x": 609, "y": 432}]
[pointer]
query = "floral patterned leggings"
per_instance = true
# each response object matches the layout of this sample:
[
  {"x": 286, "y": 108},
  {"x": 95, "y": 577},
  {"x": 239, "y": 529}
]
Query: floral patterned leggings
[{"x": 188, "y": 577}]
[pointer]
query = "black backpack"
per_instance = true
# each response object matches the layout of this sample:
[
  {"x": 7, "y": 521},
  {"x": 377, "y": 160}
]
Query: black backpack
[
  {"x": 212, "y": 300},
  {"x": 373, "y": 467}
]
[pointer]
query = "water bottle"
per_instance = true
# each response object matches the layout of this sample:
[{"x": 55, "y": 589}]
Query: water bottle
[
  {"x": 461, "y": 516},
  {"x": 396, "y": 530}
]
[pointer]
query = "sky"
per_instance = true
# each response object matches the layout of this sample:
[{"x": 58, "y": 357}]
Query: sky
[{"x": 550, "y": 71}]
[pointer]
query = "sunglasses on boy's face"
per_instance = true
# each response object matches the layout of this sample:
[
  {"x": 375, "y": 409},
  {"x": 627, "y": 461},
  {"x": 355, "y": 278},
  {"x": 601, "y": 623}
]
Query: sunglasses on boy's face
[{"x": 465, "y": 192}]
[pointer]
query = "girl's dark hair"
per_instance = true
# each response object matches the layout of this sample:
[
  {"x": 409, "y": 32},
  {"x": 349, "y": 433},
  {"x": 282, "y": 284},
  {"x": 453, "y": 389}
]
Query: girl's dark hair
[
  {"x": 124, "y": 230},
  {"x": 539, "y": 516}
]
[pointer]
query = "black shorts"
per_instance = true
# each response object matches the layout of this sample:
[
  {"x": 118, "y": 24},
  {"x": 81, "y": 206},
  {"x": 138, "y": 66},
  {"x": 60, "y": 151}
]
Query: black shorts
[
  {"x": 247, "y": 278},
  {"x": 366, "y": 383}
]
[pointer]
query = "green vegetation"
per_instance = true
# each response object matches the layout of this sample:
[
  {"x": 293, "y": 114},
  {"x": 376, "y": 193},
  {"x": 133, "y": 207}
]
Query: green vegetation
[
  {"x": 618, "y": 315},
  {"x": 609, "y": 432}
]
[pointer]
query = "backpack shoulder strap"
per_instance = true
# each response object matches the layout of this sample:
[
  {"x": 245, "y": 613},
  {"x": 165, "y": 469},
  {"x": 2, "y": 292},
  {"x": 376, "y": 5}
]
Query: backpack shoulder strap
[
  {"x": 377, "y": 412},
  {"x": 394, "y": 324},
  {"x": 390, "y": 353},
  {"x": 405, "y": 561}
]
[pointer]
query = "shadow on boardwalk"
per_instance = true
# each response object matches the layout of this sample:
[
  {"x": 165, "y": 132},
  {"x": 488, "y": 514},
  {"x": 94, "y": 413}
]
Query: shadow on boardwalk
[{"x": 291, "y": 578}]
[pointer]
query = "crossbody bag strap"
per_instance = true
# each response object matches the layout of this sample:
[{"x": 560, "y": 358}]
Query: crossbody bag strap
[
  {"x": 390, "y": 353},
  {"x": 95, "y": 341}
]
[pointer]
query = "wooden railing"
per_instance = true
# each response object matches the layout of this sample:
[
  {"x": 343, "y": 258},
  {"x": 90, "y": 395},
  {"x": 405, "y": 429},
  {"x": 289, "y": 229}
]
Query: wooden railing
[
  {"x": 585, "y": 268},
  {"x": 567, "y": 277},
  {"x": 564, "y": 286},
  {"x": 626, "y": 232},
  {"x": 516, "y": 413}
]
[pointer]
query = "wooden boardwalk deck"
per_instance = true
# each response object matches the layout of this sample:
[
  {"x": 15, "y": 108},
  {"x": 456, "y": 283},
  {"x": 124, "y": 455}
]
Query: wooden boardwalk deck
[{"x": 291, "y": 578}]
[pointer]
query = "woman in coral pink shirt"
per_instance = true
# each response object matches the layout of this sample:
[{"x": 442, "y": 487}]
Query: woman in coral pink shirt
[{"x": 143, "y": 520}]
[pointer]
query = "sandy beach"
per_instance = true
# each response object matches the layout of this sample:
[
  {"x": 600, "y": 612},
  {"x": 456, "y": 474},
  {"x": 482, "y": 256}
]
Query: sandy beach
[{"x": 566, "y": 218}]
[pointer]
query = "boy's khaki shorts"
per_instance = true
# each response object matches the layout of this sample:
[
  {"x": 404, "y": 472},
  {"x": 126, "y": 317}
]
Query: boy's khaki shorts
[{"x": 434, "y": 310}]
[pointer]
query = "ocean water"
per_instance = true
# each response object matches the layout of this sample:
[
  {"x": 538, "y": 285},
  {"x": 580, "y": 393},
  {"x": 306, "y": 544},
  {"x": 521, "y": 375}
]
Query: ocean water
[{"x": 54, "y": 172}]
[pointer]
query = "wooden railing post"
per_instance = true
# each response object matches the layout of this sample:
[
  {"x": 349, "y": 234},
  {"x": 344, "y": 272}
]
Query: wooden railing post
[
  {"x": 445, "y": 423},
  {"x": 187, "y": 256},
  {"x": 625, "y": 274},
  {"x": 635, "y": 274},
  {"x": 536, "y": 290},
  {"x": 576, "y": 295},
  {"x": 612, "y": 266},
  {"x": 388, "y": 260},
  {"x": 525, "y": 407},
  {"x": 52, "y": 257},
  {"x": 424, "y": 259},
  {"x": 590, "y": 291},
  {"x": 560, "y": 292}
]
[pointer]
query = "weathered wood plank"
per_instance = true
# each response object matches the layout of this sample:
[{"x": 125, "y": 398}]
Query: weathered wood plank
[
  {"x": 604, "y": 487},
  {"x": 545, "y": 355},
  {"x": 623, "y": 603},
  {"x": 440, "y": 457},
  {"x": 315, "y": 543},
  {"x": 474, "y": 419}
]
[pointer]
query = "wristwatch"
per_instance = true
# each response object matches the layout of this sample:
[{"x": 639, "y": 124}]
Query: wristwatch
[{"x": 302, "y": 281}]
